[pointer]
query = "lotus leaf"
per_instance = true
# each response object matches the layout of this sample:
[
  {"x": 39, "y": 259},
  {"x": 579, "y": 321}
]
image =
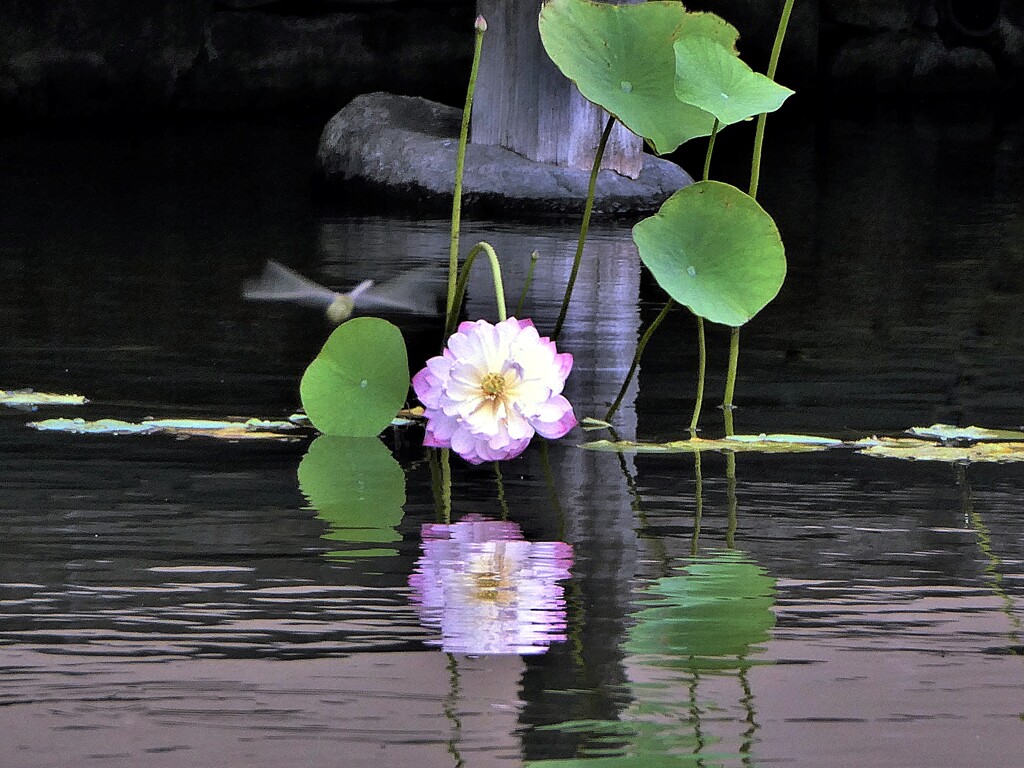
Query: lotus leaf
[
  {"x": 360, "y": 379},
  {"x": 713, "y": 249}
]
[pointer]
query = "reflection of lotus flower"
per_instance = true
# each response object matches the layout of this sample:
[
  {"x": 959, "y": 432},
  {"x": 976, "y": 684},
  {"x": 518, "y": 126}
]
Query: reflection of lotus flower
[
  {"x": 492, "y": 389},
  {"x": 488, "y": 590}
]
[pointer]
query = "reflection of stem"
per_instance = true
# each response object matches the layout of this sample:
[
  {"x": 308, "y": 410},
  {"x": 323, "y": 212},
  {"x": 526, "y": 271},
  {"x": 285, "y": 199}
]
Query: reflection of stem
[
  {"x": 460, "y": 288},
  {"x": 695, "y": 715},
  {"x": 501, "y": 490},
  {"x": 746, "y": 747},
  {"x": 526, "y": 283},
  {"x": 702, "y": 365},
  {"x": 635, "y": 505},
  {"x": 773, "y": 63},
  {"x": 451, "y": 713},
  {"x": 636, "y": 357},
  {"x": 730, "y": 498},
  {"x": 730, "y": 381},
  {"x": 584, "y": 226},
  {"x": 441, "y": 484},
  {"x": 460, "y": 162},
  {"x": 985, "y": 545},
  {"x": 698, "y": 493}
]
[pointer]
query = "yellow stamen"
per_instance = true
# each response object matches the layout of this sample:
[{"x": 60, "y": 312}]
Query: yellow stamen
[{"x": 493, "y": 385}]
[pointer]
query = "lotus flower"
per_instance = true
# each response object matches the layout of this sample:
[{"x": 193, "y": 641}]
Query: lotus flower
[
  {"x": 488, "y": 590},
  {"x": 492, "y": 389}
]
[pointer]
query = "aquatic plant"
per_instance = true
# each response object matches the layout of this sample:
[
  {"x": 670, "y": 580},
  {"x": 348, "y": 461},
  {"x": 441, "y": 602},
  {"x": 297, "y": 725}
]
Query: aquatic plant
[
  {"x": 488, "y": 590},
  {"x": 670, "y": 75},
  {"x": 492, "y": 389}
]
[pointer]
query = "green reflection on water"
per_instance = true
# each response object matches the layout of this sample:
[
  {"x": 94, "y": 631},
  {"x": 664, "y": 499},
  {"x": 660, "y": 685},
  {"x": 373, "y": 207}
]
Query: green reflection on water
[
  {"x": 358, "y": 488},
  {"x": 688, "y": 658}
]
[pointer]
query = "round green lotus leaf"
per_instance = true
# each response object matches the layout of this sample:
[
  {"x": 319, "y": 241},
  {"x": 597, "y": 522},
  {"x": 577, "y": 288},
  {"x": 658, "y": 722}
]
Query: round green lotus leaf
[
  {"x": 711, "y": 616},
  {"x": 360, "y": 379},
  {"x": 621, "y": 58},
  {"x": 357, "y": 487},
  {"x": 711, "y": 26},
  {"x": 714, "y": 79},
  {"x": 713, "y": 249}
]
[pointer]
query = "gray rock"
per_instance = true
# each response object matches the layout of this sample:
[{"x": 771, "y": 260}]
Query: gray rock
[{"x": 403, "y": 149}]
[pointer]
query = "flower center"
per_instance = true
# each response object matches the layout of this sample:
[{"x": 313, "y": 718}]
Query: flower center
[{"x": 493, "y": 385}]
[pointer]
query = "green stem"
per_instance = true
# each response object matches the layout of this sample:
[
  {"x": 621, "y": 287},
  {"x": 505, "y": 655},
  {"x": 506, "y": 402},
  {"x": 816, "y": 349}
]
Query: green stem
[
  {"x": 460, "y": 164},
  {"x": 698, "y": 494},
  {"x": 460, "y": 288},
  {"x": 501, "y": 490},
  {"x": 534, "y": 257},
  {"x": 702, "y": 365},
  {"x": 441, "y": 484},
  {"x": 730, "y": 381},
  {"x": 773, "y": 63},
  {"x": 711, "y": 148},
  {"x": 636, "y": 357},
  {"x": 730, "y": 499},
  {"x": 584, "y": 226}
]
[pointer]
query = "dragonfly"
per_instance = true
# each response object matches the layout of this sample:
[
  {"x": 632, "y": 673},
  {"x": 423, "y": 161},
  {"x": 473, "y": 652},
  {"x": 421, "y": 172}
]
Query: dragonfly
[{"x": 412, "y": 292}]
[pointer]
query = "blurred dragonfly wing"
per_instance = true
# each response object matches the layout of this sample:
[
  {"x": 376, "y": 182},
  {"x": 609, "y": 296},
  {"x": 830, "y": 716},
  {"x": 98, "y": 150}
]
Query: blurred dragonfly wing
[
  {"x": 278, "y": 283},
  {"x": 416, "y": 291}
]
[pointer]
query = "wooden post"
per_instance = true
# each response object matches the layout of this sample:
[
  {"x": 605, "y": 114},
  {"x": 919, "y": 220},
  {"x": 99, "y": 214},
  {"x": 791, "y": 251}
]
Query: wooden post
[{"x": 525, "y": 104}]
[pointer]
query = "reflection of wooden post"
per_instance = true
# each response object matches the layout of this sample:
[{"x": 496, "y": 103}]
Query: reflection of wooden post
[{"x": 525, "y": 104}]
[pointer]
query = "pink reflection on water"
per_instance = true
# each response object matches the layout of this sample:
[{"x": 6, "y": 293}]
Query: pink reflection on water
[{"x": 488, "y": 590}]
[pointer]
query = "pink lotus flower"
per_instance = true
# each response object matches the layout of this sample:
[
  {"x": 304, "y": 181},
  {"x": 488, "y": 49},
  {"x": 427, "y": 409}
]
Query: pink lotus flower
[
  {"x": 488, "y": 590},
  {"x": 492, "y": 389}
]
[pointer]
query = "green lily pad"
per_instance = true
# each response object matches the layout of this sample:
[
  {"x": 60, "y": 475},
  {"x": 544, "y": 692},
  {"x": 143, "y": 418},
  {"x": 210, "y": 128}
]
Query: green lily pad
[
  {"x": 972, "y": 434},
  {"x": 225, "y": 430},
  {"x": 357, "y": 487},
  {"x": 621, "y": 58},
  {"x": 913, "y": 449},
  {"x": 712, "y": 78},
  {"x": 360, "y": 379},
  {"x": 713, "y": 249}
]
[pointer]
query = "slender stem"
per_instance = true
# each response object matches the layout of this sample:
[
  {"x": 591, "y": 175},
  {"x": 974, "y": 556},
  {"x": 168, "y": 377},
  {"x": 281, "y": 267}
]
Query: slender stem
[
  {"x": 501, "y": 490},
  {"x": 460, "y": 289},
  {"x": 534, "y": 257},
  {"x": 773, "y": 63},
  {"x": 636, "y": 357},
  {"x": 711, "y": 148},
  {"x": 460, "y": 164},
  {"x": 584, "y": 226},
  {"x": 730, "y": 381},
  {"x": 702, "y": 366},
  {"x": 441, "y": 484}
]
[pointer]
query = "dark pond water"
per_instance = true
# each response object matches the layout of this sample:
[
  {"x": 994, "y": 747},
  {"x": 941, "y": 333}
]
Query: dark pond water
[{"x": 169, "y": 602}]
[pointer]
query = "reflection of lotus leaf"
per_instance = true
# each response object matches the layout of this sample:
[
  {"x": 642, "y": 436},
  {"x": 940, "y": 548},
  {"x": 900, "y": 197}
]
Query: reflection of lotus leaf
[
  {"x": 711, "y": 617},
  {"x": 355, "y": 485}
]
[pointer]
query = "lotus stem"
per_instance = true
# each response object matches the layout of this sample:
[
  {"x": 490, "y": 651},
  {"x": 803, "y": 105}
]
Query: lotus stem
[
  {"x": 584, "y": 226},
  {"x": 636, "y": 357},
  {"x": 460, "y": 288},
  {"x": 730, "y": 381},
  {"x": 773, "y": 63},
  {"x": 702, "y": 366},
  {"x": 441, "y": 484},
  {"x": 534, "y": 257},
  {"x": 698, "y": 495},
  {"x": 730, "y": 500},
  {"x": 711, "y": 148},
  {"x": 460, "y": 165}
]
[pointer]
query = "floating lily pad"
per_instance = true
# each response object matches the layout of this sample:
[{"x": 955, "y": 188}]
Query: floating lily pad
[
  {"x": 973, "y": 434},
  {"x": 225, "y": 430},
  {"x": 714, "y": 79},
  {"x": 736, "y": 444},
  {"x": 358, "y": 488},
  {"x": 713, "y": 249},
  {"x": 621, "y": 58},
  {"x": 27, "y": 398},
  {"x": 912, "y": 449},
  {"x": 360, "y": 379}
]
